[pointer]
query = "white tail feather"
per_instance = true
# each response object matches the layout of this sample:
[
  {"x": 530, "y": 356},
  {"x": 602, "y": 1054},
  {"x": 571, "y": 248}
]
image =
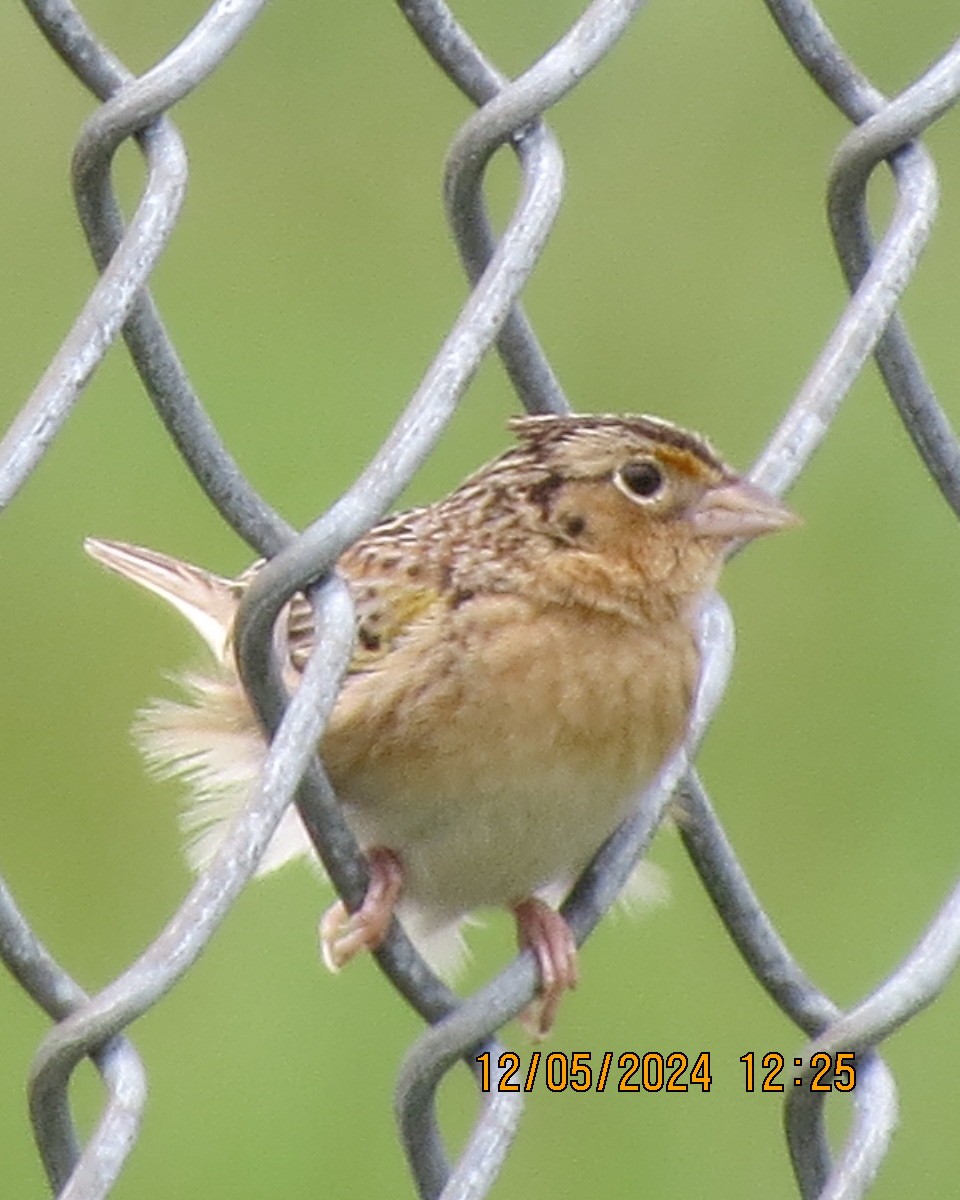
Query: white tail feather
[{"x": 213, "y": 744}]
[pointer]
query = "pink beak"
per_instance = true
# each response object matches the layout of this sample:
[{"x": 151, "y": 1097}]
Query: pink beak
[{"x": 740, "y": 509}]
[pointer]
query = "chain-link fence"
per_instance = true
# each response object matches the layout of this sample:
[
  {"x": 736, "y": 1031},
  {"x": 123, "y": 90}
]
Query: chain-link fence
[{"x": 509, "y": 113}]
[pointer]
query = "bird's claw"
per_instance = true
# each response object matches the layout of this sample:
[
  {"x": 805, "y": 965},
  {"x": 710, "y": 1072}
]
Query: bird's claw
[
  {"x": 544, "y": 931},
  {"x": 343, "y": 934}
]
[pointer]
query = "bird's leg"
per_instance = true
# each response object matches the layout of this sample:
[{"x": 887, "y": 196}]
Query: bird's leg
[
  {"x": 343, "y": 934},
  {"x": 542, "y": 930}
]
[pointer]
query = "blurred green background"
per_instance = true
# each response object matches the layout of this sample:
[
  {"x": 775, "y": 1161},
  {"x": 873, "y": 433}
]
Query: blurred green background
[{"x": 307, "y": 287}]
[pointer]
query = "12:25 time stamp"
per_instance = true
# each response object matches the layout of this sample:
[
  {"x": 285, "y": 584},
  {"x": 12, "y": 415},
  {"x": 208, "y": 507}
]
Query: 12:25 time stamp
[{"x": 829, "y": 1072}]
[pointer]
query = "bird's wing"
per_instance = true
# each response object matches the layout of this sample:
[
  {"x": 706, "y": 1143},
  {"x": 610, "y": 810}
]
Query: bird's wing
[{"x": 387, "y": 602}]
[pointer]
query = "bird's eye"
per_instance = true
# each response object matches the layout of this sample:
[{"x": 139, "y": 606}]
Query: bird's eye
[{"x": 642, "y": 478}]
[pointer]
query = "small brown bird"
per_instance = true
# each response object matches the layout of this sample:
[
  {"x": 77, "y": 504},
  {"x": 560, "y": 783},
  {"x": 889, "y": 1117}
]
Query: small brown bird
[{"x": 525, "y": 664}]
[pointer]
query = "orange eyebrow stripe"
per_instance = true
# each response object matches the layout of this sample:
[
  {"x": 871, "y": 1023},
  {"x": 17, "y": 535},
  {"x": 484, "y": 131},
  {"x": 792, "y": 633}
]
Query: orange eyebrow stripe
[{"x": 682, "y": 460}]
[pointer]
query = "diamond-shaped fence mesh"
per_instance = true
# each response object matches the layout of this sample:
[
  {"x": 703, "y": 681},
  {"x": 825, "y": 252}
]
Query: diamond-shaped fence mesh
[{"x": 509, "y": 115}]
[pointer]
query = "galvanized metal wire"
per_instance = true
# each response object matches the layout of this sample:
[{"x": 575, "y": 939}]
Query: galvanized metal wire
[{"x": 508, "y": 112}]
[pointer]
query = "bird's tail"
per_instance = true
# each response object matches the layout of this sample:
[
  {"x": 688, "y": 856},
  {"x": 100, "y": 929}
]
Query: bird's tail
[
  {"x": 211, "y": 739},
  {"x": 208, "y": 601}
]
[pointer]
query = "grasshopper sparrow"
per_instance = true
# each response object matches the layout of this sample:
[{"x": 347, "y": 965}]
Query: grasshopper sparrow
[{"x": 525, "y": 663}]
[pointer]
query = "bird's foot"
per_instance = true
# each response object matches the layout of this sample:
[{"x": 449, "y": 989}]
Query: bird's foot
[
  {"x": 544, "y": 931},
  {"x": 343, "y": 934}
]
